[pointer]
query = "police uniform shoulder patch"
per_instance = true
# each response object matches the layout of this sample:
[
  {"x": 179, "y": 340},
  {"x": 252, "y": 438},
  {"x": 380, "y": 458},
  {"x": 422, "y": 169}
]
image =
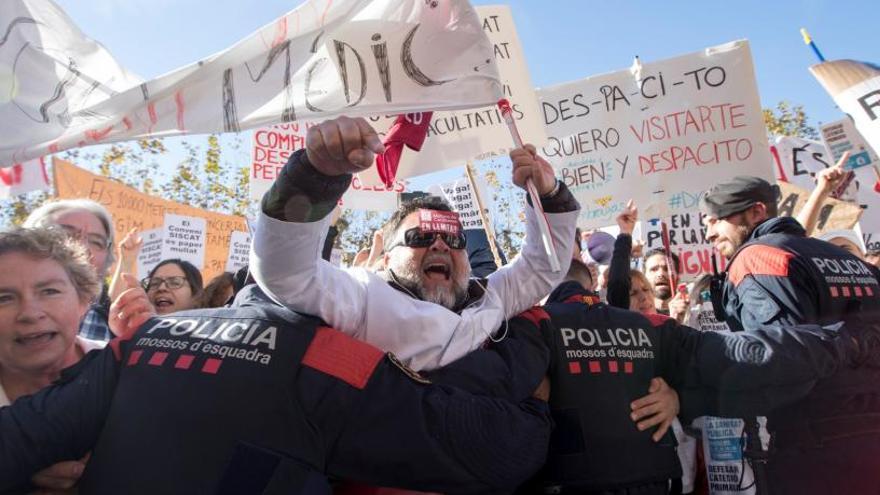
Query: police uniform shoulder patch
[{"x": 407, "y": 370}]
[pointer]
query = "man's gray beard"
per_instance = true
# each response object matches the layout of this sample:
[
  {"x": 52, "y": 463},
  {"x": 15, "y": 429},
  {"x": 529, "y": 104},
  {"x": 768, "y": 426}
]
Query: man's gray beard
[{"x": 449, "y": 298}]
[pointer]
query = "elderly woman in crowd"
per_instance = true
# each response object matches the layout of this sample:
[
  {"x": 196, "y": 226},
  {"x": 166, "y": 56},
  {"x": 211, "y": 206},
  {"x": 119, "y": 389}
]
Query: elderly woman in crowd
[
  {"x": 46, "y": 287},
  {"x": 89, "y": 223},
  {"x": 173, "y": 285}
]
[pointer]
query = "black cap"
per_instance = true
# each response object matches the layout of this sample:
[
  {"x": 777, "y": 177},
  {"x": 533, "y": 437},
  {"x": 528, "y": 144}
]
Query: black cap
[{"x": 737, "y": 195}]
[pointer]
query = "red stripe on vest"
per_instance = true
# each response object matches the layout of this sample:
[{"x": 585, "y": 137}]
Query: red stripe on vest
[
  {"x": 340, "y": 356},
  {"x": 535, "y": 315},
  {"x": 657, "y": 319},
  {"x": 760, "y": 260},
  {"x": 114, "y": 345}
]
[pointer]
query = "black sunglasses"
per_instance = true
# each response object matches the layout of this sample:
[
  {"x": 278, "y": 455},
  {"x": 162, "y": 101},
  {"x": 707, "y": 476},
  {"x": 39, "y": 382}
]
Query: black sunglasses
[{"x": 415, "y": 238}]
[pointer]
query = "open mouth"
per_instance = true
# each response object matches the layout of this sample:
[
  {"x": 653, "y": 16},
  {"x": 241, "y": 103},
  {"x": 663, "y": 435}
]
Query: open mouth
[
  {"x": 163, "y": 302},
  {"x": 438, "y": 271},
  {"x": 36, "y": 339}
]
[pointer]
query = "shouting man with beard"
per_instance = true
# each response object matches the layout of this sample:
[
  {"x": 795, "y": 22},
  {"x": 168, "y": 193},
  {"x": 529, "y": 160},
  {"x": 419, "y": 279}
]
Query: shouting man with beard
[
  {"x": 666, "y": 300},
  {"x": 422, "y": 304}
]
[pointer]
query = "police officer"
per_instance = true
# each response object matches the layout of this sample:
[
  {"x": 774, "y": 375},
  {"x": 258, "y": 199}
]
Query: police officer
[
  {"x": 258, "y": 399},
  {"x": 829, "y": 442},
  {"x": 604, "y": 358}
]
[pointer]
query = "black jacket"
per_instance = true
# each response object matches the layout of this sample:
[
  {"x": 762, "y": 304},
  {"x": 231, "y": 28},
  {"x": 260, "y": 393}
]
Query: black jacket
[
  {"x": 782, "y": 277},
  {"x": 257, "y": 399},
  {"x": 603, "y": 358}
]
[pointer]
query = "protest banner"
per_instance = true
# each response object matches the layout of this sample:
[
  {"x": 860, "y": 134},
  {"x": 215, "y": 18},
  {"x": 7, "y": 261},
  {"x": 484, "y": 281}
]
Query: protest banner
[
  {"x": 274, "y": 145},
  {"x": 272, "y": 148},
  {"x": 659, "y": 134},
  {"x": 855, "y": 87},
  {"x": 151, "y": 251},
  {"x": 23, "y": 178},
  {"x": 452, "y": 139},
  {"x": 799, "y": 159},
  {"x": 727, "y": 471},
  {"x": 687, "y": 239},
  {"x": 841, "y": 136},
  {"x": 321, "y": 60},
  {"x": 133, "y": 209},
  {"x": 833, "y": 214},
  {"x": 480, "y": 133},
  {"x": 183, "y": 237},
  {"x": 239, "y": 250},
  {"x": 460, "y": 196}
]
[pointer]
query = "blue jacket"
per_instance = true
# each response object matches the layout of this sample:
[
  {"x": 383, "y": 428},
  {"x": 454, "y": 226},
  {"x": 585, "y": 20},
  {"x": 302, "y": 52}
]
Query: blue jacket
[{"x": 782, "y": 277}]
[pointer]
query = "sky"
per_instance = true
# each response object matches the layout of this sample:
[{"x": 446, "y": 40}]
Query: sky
[{"x": 563, "y": 40}]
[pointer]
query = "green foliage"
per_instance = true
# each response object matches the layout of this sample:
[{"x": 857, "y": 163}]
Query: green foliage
[
  {"x": 205, "y": 178},
  {"x": 787, "y": 120}
]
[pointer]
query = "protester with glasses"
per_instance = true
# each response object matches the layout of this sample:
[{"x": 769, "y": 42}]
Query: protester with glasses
[
  {"x": 173, "y": 285},
  {"x": 91, "y": 224},
  {"x": 421, "y": 304}
]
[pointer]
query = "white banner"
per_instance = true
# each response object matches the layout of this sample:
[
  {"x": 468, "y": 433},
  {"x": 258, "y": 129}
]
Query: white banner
[
  {"x": 24, "y": 178},
  {"x": 800, "y": 159},
  {"x": 184, "y": 238},
  {"x": 455, "y": 137},
  {"x": 323, "y": 59},
  {"x": 660, "y": 135}
]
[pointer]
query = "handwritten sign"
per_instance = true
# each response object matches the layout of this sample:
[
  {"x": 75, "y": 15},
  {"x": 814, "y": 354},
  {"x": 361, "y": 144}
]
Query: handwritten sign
[
  {"x": 183, "y": 237},
  {"x": 659, "y": 135},
  {"x": 239, "y": 248},
  {"x": 687, "y": 239},
  {"x": 133, "y": 209},
  {"x": 455, "y": 137},
  {"x": 321, "y": 60}
]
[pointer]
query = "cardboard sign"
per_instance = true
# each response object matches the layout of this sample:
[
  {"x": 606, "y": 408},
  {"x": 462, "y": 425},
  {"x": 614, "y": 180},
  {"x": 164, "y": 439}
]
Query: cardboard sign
[
  {"x": 239, "y": 249},
  {"x": 659, "y": 135},
  {"x": 321, "y": 60},
  {"x": 184, "y": 237},
  {"x": 133, "y": 209},
  {"x": 151, "y": 251},
  {"x": 834, "y": 214}
]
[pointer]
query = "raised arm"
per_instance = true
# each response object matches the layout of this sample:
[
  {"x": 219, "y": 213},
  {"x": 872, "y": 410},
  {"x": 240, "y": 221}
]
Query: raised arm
[
  {"x": 528, "y": 278},
  {"x": 285, "y": 254}
]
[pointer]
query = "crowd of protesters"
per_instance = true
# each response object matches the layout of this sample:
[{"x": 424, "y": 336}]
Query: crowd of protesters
[{"x": 420, "y": 368}]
